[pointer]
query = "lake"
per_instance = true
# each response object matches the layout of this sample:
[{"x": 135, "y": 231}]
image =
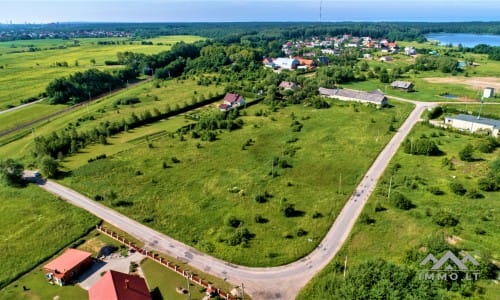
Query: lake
[{"x": 466, "y": 39}]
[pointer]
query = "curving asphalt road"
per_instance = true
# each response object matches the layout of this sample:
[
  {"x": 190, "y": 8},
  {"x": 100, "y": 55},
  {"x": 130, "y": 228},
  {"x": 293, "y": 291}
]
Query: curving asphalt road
[{"x": 283, "y": 282}]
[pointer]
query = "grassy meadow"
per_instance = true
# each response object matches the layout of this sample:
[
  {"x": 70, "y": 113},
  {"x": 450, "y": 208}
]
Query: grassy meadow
[
  {"x": 188, "y": 188},
  {"x": 34, "y": 225},
  {"x": 25, "y": 73},
  {"x": 402, "y": 237},
  {"x": 152, "y": 94}
]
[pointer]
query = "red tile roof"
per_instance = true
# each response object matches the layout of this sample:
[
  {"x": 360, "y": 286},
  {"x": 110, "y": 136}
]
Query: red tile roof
[
  {"x": 232, "y": 98},
  {"x": 67, "y": 261},
  {"x": 119, "y": 286}
]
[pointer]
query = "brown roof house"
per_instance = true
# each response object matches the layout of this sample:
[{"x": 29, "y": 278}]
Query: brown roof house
[
  {"x": 68, "y": 266},
  {"x": 115, "y": 285},
  {"x": 231, "y": 101},
  {"x": 287, "y": 85}
]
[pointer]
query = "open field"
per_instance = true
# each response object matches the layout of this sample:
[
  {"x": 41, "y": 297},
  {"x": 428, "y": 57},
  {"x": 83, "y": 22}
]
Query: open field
[
  {"x": 159, "y": 95},
  {"x": 403, "y": 237},
  {"x": 25, "y": 74},
  {"x": 477, "y": 83},
  {"x": 33, "y": 226},
  {"x": 188, "y": 197}
]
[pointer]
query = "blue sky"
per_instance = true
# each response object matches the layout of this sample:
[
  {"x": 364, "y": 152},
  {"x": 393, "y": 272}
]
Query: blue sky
[{"x": 46, "y": 11}]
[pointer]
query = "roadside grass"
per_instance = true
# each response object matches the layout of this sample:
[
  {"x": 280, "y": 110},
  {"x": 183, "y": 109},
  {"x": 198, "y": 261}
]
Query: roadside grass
[
  {"x": 27, "y": 114},
  {"x": 190, "y": 199},
  {"x": 152, "y": 94},
  {"x": 26, "y": 74},
  {"x": 396, "y": 234},
  {"x": 34, "y": 225}
]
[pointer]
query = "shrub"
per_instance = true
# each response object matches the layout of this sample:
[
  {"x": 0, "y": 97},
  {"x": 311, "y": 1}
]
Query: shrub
[
  {"x": 301, "y": 232},
  {"x": 487, "y": 184},
  {"x": 457, "y": 188},
  {"x": 444, "y": 218},
  {"x": 233, "y": 221},
  {"x": 98, "y": 198},
  {"x": 317, "y": 214},
  {"x": 366, "y": 219},
  {"x": 474, "y": 194},
  {"x": 435, "y": 190},
  {"x": 289, "y": 210},
  {"x": 466, "y": 153},
  {"x": 400, "y": 201},
  {"x": 421, "y": 146},
  {"x": 175, "y": 160},
  {"x": 260, "y": 219}
]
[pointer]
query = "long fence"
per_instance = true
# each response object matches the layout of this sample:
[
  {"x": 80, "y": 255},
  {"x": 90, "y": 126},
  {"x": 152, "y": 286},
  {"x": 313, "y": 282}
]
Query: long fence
[{"x": 166, "y": 263}]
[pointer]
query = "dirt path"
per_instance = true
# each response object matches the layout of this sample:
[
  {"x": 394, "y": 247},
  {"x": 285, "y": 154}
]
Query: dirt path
[{"x": 473, "y": 82}]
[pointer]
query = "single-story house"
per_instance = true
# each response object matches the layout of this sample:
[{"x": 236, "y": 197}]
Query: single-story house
[
  {"x": 120, "y": 286},
  {"x": 306, "y": 62},
  {"x": 402, "y": 85},
  {"x": 286, "y": 63},
  {"x": 410, "y": 51},
  {"x": 374, "y": 97},
  {"x": 68, "y": 266},
  {"x": 287, "y": 85},
  {"x": 473, "y": 124},
  {"x": 231, "y": 101},
  {"x": 268, "y": 62},
  {"x": 386, "y": 58}
]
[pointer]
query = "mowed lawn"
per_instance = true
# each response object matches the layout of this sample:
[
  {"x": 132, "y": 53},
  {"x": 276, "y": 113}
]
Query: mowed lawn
[
  {"x": 25, "y": 74},
  {"x": 33, "y": 226},
  {"x": 188, "y": 188},
  {"x": 397, "y": 235}
]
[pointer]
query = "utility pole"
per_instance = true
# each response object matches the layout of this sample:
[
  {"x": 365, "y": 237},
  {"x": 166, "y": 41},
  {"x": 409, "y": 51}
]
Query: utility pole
[
  {"x": 389, "y": 193},
  {"x": 340, "y": 184},
  {"x": 188, "y": 284},
  {"x": 345, "y": 266}
]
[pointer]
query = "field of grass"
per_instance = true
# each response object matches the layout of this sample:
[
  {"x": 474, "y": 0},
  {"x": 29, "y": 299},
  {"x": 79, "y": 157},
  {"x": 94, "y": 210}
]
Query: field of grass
[
  {"x": 152, "y": 95},
  {"x": 25, "y": 74},
  {"x": 190, "y": 200},
  {"x": 33, "y": 226},
  {"x": 396, "y": 234}
]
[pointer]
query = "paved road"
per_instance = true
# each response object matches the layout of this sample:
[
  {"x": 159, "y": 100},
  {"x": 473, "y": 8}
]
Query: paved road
[
  {"x": 282, "y": 282},
  {"x": 20, "y": 106}
]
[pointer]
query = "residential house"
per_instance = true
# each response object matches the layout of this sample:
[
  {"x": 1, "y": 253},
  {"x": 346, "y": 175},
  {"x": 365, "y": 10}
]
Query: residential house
[
  {"x": 232, "y": 101},
  {"x": 309, "y": 63},
  {"x": 367, "y": 56},
  {"x": 68, "y": 266},
  {"x": 386, "y": 58},
  {"x": 268, "y": 62},
  {"x": 119, "y": 286},
  {"x": 374, "y": 97},
  {"x": 402, "y": 85},
  {"x": 287, "y": 85},
  {"x": 410, "y": 51},
  {"x": 474, "y": 124}
]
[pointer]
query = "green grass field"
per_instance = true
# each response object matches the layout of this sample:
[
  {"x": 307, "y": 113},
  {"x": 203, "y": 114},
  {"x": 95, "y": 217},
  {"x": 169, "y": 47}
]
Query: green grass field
[
  {"x": 190, "y": 200},
  {"x": 33, "y": 226},
  {"x": 25, "y": 74},
  {"x": 396, "y": 233},
  {"x": 152, "y": 94}
]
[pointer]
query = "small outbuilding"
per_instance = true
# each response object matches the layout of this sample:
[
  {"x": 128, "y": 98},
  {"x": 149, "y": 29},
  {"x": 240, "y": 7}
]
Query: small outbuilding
[
  {"x": 68, "y": 266},
  {"x": 402, "y": 85}
]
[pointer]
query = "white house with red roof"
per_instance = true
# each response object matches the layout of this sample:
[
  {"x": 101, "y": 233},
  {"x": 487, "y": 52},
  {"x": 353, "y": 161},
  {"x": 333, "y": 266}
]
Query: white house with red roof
[
  {"x": 68, "y": 266},
  {"x": 231, "y": 101}
]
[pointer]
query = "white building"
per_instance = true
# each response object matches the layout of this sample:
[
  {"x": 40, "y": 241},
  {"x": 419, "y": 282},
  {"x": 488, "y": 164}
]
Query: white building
[
  {"x": 473, "y": 124},
  {"x": 286, "y": 63},
  {"x": 374, "y": 97}
]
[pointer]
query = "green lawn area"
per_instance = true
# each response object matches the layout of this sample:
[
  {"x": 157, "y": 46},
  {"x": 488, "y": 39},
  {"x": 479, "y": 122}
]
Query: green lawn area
[
  {"x": 403, "y": 237},
  {"x": 34, "y": 225},
  {"x": 164, "y": 282},
  {"x": 152, "y": 94},
  {"x": 190, "y": 200},
  {"x": 25, "y": 74}
]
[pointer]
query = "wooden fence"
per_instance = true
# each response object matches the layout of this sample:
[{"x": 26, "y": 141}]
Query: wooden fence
[{"x": 164, "y": 262}]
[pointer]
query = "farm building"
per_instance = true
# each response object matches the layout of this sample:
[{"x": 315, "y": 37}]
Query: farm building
[
  {"x": 402, "y": 85},
  {"x": 68, "y": 266},
  {"x": 474, "y": 124},
  {"x": 374, "y": 97},
  {"x": 119, "y": 286}
]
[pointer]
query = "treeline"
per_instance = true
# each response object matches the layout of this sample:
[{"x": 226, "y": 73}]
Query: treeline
[
  {"x": 82, "y": 86},
  {"x": 69, "y": 140}
]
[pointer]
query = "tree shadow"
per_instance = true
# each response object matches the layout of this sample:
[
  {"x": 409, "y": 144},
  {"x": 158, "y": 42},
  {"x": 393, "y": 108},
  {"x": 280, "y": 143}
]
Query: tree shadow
[{"x": 156, "y": 294}]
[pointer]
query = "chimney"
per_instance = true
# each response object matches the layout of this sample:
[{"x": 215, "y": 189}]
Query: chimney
[{"x": 126, "y": 284}]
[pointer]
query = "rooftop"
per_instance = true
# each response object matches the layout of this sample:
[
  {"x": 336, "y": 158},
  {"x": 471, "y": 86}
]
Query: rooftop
[
  {"x": 119, "y": 286},
  {"x": 374, "y": 96},
  {"x": 68, "y": 260},
  {"x": 474, "y": 119}
]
